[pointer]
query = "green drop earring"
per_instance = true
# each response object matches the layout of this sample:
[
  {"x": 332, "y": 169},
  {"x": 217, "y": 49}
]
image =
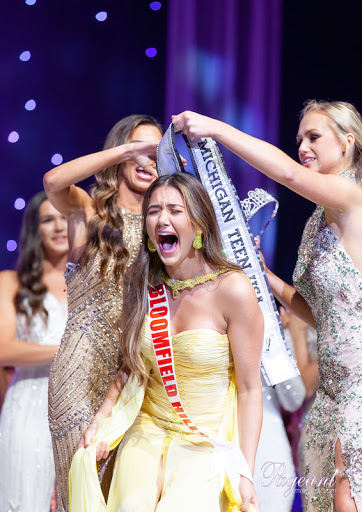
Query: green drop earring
[
  {"x": 150, "y": 246},
  {"x": 197, "y": 243}
]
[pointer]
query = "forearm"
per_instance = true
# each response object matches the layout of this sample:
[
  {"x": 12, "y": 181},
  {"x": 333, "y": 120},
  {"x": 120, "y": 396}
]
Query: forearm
[
  {"x": 288, "y": 296},
  {"x": 73, "y": 172},
  {"x": 261, "y": 155},
  {"x": 310, "y": 375},
  {"x": 110, "y": 400},
  {"x": 22, "y": 353},
  {"x": 250, "y": 414}
]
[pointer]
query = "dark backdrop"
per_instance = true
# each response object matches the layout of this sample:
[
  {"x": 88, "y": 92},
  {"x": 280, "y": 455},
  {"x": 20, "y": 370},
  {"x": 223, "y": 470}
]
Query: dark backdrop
[
  {"x": 321, "y": 56},
  {"x": 85, "y": 75}
]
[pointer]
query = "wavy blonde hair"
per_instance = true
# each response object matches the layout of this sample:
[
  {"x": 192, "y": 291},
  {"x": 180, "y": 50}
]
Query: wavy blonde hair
[
  {"x": 146, "y": 270},
  {"x": 345, "y": 119},
  {"x": 105, "y": 229}
]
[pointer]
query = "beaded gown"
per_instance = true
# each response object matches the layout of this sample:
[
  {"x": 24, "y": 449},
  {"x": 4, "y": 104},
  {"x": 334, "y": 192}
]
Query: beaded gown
[
  {"x": 88, "y": 357},
  {"x": 26, "y": 455},
  {"x": 326, "y": 277},
  {"x": 153, "y": 431}
]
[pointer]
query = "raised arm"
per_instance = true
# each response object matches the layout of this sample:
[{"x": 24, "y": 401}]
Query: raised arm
[
  {"x": 59, "y": 183},
  {"x": 328, "y": 190},
  {"x": 15, "y": 352},
  {"x": 245, "y": 331}
]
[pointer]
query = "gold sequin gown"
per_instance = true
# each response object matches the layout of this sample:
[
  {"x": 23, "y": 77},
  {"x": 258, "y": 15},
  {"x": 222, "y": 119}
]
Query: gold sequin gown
[
  {"x": 88, "y": 356},
  {"x": 154, "y": 432},
  {"x": 327, "y": 278}
]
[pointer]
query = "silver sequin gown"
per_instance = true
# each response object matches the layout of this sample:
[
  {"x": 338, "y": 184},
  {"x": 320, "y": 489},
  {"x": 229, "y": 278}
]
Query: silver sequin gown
[
  {"x": 27, "y": 474},
  {"x": 327, "y": 278},
  {"x": 88, "y": 357}
]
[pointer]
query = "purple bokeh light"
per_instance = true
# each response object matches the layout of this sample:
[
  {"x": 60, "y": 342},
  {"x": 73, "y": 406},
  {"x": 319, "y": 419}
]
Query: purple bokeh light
[
  {"x": 25, "y": 56},
  {"x": 30, "y": 105},
  {"x": 13, "y": 137},
  {"x": 57, "y": 159},
  {"x": 11, "y": 245},
  {"x": 30, "y": 2},
  {"x": 19, "y": 203},
  {"x": 155, "y": 6},
  {"x": 151, "y": 52},
  {"x": 101, "y": 16}
]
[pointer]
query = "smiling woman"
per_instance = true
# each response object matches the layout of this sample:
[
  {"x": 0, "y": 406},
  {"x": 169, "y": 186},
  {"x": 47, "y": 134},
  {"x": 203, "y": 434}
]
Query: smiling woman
[
  {"x": 327, "y": 278},
  {"x": 190, "y": 360},
  {"x": 32, "y": 320},
  {"x": 105, "y": 231}
]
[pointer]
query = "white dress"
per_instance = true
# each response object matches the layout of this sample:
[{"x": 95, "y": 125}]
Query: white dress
[
  {"x": 26, "y": 456},
  {"x": 274, "y": 473}
]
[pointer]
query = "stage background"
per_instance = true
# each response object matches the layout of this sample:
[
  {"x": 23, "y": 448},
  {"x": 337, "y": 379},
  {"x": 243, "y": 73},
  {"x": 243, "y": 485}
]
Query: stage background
[{"x": 250, "y": 62}]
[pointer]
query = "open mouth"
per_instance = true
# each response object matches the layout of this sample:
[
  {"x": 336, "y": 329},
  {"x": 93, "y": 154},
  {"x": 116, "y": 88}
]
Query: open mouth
[
  {"x": 144, "y": 174},
  {"x": 167, "y": 242}
]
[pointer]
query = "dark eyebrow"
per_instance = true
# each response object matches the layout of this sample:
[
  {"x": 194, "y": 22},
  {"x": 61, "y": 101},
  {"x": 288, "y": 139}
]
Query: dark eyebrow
[
  {"x": 173, "y": 205},
  {"x": 298, "y": 137},
  {"x": 169, "y": 205}
]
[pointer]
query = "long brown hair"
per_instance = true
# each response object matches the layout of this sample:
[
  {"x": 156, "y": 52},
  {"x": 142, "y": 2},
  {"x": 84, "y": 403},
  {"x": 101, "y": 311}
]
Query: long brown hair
[
  {"x": 29, "y": 298},
  {"x": 105, "y": 229},
  {"x": 146, "y": 270}
]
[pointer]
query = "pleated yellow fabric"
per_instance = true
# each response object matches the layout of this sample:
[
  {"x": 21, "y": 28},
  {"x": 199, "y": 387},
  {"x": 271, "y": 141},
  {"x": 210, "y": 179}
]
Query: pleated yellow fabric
[{"x": 152, "y": 432}]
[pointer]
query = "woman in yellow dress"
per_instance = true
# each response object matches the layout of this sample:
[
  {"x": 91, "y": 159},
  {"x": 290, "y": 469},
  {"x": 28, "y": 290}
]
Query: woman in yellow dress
[{"x": 201, "y": 342}]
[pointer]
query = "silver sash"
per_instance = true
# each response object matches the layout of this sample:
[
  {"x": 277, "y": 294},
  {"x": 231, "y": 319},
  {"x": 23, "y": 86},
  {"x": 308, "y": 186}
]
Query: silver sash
[{"x": 277, "y": 363}]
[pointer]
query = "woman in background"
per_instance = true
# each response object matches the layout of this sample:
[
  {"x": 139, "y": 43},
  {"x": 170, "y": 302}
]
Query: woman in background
[{"x": 32, "y": 321}]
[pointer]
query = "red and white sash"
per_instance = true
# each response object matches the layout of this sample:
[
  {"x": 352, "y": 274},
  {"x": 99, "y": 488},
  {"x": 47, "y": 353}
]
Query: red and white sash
[
  {"x": 159, "y": 320},
  {"x": 227, "y": 457}
]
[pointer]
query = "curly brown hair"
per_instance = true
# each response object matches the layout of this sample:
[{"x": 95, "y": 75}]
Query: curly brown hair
[
  {"x": 105, "y": 230},
  {"x": 29, "y": 298}
]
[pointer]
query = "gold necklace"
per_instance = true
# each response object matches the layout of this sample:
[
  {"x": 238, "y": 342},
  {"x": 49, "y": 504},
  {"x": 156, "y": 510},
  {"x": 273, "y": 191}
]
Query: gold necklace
[{"x": 177, "y": 286}]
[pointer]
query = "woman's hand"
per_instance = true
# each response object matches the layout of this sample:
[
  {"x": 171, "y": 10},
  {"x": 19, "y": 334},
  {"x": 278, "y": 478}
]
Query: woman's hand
[
  {"x": 194, "y": 125},
  {"x": 248, "y": 495},
  {"x": 144, "y": 154},
  {"x": 257, "y": 243},
  {"x": 102, "y": 450}
]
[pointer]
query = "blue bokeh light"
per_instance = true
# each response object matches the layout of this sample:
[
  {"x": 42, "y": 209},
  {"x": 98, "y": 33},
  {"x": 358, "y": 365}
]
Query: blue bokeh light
[
  {"x": 151, "y": 52},
  {"x": 11, "y": 245},
  {"x": 155, "y": 6},
  {"x": 30, "y": 2},
  {"x": 30, "y": 105},
  {"x": 57, "y": 159},
  {"x": 101, "y": 16},
  {"x": 13, "y": 137},
  {"x": 19, "y": 203},
  {"x": 25, "y": 56}
]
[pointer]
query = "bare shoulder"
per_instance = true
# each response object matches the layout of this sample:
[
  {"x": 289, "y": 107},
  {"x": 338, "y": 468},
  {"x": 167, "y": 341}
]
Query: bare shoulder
[
  {"x": 235, "y": 286},
  {"x": 8, "y": 283}
]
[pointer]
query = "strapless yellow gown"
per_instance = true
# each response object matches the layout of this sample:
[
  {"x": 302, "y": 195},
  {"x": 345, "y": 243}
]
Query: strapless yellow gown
[{"x": 152, "y": 431}]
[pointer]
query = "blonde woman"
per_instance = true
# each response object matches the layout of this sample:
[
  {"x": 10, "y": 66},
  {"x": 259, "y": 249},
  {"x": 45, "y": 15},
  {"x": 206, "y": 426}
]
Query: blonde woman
[
  {"x": 327, "y": 278},
  {"x": 105, "y": 231}
]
